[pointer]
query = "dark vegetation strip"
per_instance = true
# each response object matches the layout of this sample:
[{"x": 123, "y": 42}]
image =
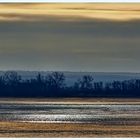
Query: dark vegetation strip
[{"x": 53, "y": 85}]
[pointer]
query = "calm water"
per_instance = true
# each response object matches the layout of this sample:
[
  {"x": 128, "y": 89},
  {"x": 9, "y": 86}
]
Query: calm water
[{"x": 69, "y": 113}]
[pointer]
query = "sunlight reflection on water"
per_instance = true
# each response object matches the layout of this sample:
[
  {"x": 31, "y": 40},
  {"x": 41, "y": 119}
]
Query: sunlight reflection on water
[{"x": 67, "y": 112}]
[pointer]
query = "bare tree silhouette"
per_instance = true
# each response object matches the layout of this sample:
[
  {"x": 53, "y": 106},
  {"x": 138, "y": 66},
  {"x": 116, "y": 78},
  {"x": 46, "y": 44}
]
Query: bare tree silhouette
[{"x": 11, "y": 78}]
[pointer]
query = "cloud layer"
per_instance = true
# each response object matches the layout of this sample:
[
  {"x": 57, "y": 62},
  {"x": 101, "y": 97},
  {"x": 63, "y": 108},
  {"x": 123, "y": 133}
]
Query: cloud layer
[
  {"x": 28, "y": 12},
  {"x": 39, "y": 40}
]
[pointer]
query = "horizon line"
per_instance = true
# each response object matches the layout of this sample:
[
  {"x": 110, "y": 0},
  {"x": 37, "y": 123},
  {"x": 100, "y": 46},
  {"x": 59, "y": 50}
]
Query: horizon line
[{"x": 68, "y": 71}]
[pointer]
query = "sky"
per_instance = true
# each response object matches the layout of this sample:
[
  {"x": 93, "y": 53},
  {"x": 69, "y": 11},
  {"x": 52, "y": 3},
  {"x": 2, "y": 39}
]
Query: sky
[{"x": 87, "y": 37}]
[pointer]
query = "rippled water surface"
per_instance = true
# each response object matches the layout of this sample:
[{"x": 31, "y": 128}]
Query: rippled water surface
[{"x": 68, "y": 112}]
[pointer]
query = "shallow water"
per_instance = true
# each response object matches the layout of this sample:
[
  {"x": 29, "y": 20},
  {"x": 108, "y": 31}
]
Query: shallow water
[{"x": 77, "y": 113}]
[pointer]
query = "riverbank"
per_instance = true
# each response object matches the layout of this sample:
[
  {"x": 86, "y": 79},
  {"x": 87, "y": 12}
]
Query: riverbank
[
  {"x": 71, "y": 100},
  {"x": 22, "y": 129}
]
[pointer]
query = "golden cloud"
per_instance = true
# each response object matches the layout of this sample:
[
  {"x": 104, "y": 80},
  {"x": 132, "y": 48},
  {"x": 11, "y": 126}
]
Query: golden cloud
[{"x": 30, "y": 12}]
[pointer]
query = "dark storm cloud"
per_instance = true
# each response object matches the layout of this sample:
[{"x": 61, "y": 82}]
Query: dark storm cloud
[
  {"x": 77, "y": 46},
  {"x": 95, "y": 28}
]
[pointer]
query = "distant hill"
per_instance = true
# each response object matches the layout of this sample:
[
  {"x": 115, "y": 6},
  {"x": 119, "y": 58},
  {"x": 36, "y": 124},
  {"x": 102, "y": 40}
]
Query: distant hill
[{"x": 71, "y": 77}]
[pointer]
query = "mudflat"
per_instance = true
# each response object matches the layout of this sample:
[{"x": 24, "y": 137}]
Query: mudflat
[{"x": 22, "y": 129}]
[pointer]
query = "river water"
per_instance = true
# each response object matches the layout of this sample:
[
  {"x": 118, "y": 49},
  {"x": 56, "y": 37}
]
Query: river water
[{"x": 65, "y": 113}]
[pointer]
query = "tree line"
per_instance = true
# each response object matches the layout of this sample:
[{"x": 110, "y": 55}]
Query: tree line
[{"x": 54, "y": 85}]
